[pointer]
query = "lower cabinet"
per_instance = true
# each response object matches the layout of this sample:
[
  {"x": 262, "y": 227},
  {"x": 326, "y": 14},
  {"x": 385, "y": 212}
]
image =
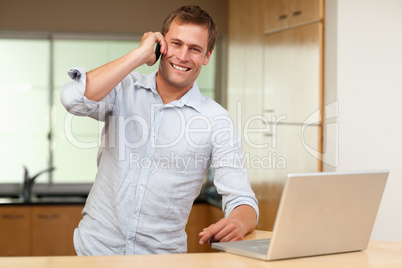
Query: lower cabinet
[
  {"x": 15, "y": 231},
  {"x": 38, "y": 230},
  {"x": 53, "y": 229},
  {"x": 201, "y": 216},
  {"x": 47, "y": 230}
]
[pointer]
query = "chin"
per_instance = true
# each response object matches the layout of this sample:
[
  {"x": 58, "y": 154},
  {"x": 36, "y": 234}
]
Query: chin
[{"x": 180, "y": 82}]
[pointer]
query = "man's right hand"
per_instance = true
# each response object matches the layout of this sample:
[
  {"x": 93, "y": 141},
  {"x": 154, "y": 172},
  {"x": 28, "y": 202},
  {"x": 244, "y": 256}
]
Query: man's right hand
[
  {"x": 103, "y": 79},
  {"x": 148, "y": 41}
]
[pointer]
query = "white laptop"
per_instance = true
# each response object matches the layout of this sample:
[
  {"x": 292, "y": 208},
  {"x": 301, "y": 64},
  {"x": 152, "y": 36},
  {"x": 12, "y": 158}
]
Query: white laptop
[{"x": 319, "y": 213}]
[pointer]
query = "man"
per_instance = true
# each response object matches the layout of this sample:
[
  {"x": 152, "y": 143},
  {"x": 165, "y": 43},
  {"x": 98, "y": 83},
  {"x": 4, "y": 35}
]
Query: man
[{"x": 159, "y": 139}]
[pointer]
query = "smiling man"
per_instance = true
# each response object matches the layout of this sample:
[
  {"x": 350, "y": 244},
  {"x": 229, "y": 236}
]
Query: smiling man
[{"x": 160, "y": 137}]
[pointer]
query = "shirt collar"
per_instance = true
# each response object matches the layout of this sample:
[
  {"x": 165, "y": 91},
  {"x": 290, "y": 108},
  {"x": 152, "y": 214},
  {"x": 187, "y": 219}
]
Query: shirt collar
[{"x": 193, "y": 97}]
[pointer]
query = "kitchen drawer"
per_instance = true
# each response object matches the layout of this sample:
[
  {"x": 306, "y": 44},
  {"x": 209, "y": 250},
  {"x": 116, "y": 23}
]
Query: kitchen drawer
[{"x": 280, "y": 14}]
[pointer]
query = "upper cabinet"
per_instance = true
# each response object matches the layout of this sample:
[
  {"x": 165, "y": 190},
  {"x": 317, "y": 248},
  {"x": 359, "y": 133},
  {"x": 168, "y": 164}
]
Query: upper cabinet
[
  {"x": 293, "y": 60},
  {"x": 293, "y": 73},
  {"x": 279, "y": 14}
]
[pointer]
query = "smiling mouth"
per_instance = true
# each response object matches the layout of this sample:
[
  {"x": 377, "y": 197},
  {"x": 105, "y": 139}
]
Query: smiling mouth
[{"x": 183, "y": 69}]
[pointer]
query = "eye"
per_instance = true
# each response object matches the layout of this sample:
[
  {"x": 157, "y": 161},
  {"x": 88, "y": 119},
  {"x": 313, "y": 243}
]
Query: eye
[{"x": 196, "y": 49}]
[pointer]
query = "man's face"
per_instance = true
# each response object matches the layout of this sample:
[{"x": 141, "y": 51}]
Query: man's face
[{"x": 186, "y": 53}]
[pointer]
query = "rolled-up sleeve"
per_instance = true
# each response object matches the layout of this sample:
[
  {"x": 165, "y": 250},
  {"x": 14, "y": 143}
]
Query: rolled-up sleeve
[
  {"x": 73, "y": 99},
  {"x": 231, "y": 178}
]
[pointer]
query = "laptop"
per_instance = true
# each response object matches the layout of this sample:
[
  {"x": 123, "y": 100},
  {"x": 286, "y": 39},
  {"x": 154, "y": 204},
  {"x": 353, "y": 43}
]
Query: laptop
[{"x": 319, "y": 213}]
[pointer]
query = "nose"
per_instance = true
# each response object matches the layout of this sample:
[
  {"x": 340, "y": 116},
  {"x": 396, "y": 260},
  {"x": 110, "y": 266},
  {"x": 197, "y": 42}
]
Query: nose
[{"x": 183, "y": 54}]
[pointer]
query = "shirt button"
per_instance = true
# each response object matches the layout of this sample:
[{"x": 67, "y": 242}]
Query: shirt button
[
  {"x": 134, "y": 216},
  {"x": 129, "y": 242},
  {"x": 141, "y": 188},
  {"x": 153, "y": 134}
]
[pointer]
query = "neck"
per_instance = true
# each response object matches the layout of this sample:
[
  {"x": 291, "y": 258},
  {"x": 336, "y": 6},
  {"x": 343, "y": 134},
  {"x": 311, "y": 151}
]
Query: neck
[{"x": 167, "y": 92}]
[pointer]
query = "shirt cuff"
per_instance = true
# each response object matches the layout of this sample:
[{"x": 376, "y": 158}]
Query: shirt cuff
[
  {"x": 251, "y": 202},
  {"x": 72, "y": 95}
]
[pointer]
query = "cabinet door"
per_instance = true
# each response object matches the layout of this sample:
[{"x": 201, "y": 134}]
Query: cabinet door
[
  {"x": 292, "y": 149},
  {"x": 53, "y": 229},
  {"x": 14, "y": 231},
  {"x": 292, "y": 73},
  {"x": 279, "y": 14},
  {"x": 201, "y": 216}
]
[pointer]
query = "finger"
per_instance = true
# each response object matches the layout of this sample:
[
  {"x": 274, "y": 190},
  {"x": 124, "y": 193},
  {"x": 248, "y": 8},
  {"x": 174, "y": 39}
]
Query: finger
[
  {"x": 206, "y": 235},
  {"x": 214, "y": 232},
  {"x": 225, "y": 230},
  {"x": 162, "y": 42},
  {"x": 232, "y": 236},
  {"x": 226, "y": 233}
]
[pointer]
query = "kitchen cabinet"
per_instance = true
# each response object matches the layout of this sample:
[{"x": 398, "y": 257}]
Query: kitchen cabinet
[
  {"x": 15, "y": 230},
  {"x": 202, "y": 215},
  {"x": 279, "y": 14},
  {"x": 275, "y": 83},
  {"x": 38, "y": 230},
  {"x": 292, "y": 93},
  {"x": 289, "y": 152},
  {"x": 293, "y": 73},
  {"x": 47, "y": 230},
  {"x": 53, "y": 229}
]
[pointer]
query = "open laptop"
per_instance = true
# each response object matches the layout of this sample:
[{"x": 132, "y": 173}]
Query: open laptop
[{"x": 319, "y": 213}]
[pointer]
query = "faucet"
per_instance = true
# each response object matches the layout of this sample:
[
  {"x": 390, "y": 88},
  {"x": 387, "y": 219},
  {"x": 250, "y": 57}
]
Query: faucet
[{"x": 28, "y": 183}]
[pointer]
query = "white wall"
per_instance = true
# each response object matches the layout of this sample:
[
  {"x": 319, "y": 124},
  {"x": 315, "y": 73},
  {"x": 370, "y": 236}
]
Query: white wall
[{"x": 364, "y": 72}]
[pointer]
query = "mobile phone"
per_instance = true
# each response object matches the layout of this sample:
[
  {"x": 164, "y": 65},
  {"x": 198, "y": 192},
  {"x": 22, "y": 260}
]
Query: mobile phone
[{"x": 157, "y": 52}]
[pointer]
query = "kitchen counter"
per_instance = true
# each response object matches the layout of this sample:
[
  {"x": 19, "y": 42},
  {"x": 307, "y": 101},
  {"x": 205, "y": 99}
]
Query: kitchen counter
[
  {"x": 379, "y": 254},
  {"x": 72, "y": 200},
  {"x": 44, "y": 194},
  {"x": 45, "y": 189},
  {"x": 52, "y": 200},
  {"x": 69, "y": 194}
]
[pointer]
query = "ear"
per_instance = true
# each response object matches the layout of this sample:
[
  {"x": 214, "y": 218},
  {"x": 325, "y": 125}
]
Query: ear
[{"x": 207, "y": 57}]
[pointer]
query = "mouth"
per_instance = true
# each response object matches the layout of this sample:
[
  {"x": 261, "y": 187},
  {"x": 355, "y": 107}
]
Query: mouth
[{"x": 179, "y": 68}]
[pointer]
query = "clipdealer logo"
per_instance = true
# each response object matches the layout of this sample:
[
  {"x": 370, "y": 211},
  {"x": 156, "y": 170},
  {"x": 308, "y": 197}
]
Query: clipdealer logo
[
  {"x": 330, "y": 156},
  {"x": 270, "y": 159}
]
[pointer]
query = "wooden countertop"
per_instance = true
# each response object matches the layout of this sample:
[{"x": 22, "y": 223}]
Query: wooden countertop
[{"x": 379, "y": 254}]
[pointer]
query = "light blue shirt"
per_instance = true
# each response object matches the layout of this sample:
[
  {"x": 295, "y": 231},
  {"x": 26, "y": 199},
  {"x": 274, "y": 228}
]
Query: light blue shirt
[{"x": 152, "y": 162}]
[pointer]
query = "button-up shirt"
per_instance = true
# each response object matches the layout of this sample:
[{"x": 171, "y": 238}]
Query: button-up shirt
[{"x": 152, "y": 162}]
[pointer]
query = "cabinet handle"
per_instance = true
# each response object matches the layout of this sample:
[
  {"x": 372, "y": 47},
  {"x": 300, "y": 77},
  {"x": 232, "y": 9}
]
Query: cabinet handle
[
  {"x": 282, "y": 17},
  {"x": 12, "y": 216},
  {"x": 296, "y": 13},
  {"x": 48, "y": 216}
]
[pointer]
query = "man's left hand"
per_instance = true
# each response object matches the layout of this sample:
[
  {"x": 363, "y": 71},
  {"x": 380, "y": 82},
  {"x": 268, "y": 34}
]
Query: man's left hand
[
  {"x": 241, "y": 221},
  {"x": 224, "y": 230}
]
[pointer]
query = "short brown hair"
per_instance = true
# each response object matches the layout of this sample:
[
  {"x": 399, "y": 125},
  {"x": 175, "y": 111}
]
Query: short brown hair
[{"x": 194, "y": 15}]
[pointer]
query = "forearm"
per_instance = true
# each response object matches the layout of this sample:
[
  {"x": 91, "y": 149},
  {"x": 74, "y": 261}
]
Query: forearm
[
  {"x": 244, "y": 217},
  {"x": 102, "y": 80}
]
